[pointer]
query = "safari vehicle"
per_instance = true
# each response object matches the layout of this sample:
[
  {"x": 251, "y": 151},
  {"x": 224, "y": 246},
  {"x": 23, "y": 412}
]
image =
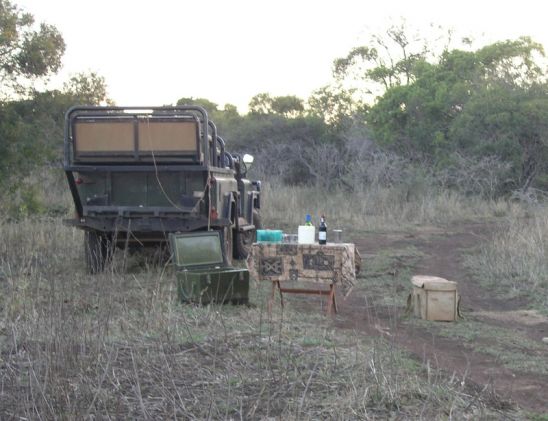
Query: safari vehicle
[{"x": 137, "y": 174}]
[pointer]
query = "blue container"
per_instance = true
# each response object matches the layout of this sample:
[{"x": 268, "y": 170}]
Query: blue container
[
  {"x": 262, "y": 236},
  {"x": 276, "y": 236},
  {"x": 269, "y": 236}
]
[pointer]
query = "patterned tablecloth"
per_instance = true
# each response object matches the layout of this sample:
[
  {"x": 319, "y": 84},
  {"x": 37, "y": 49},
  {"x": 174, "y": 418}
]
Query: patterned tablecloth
[{"x": 331, "y": 263}]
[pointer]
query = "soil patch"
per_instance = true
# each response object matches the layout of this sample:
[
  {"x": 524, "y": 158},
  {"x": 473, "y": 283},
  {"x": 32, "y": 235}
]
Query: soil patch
[
  {"x": 441, "y": 254},
  {"x": 522, "y": 317}
]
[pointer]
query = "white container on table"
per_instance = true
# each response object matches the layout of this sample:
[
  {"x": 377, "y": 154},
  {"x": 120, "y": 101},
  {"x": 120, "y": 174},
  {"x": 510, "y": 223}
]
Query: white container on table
[{"x": 306, "y": 234}]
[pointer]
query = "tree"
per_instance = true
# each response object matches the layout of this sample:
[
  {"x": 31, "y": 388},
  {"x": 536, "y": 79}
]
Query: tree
[
  {"x": 225, "y": 119},
  {"x": 27, "y": 53},
  {"x": 334, "y": 105},
  {"x": 230, "y": 110},
  {"x": 288, "y": 106},
  {"x": 209, "y": 106},
  {"x": 87, "y": 89},
  {"x": 31, "y": 129},
  {"x": 386, "y": 62},
  {"x": 261, "y": 104},
  {"x": 509, "y": 123},
  {"x": 488, "y": 102}
]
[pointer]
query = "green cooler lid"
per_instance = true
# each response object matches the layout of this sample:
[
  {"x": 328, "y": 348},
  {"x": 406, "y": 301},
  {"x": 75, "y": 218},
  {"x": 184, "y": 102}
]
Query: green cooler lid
[{"x": 197, "y": 249}]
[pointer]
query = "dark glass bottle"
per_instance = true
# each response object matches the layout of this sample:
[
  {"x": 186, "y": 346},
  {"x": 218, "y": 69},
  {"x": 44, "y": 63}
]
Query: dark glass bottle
[{"x": 322, "y": 231}]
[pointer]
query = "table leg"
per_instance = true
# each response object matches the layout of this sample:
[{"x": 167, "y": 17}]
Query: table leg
[
  {"x": 334, "y": 299},
  {"x": 281, "y": 294},
  {"x": 275, "y": 285},
  {"x": 332, "y": 303},
  {"x": 271, "y": 299}
]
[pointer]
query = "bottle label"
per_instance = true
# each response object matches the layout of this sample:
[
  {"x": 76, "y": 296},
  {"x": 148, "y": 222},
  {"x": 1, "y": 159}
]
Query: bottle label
[{"x": 322, "y": 236}]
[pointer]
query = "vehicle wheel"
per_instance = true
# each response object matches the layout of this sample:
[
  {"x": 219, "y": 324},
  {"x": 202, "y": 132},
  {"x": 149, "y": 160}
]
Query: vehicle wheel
[
  {"x": 228, "y": 239},
  {"x": 244, "y": 240},
  {"x": 97, "y": 251},
  {"x": 240, "y": 301}
]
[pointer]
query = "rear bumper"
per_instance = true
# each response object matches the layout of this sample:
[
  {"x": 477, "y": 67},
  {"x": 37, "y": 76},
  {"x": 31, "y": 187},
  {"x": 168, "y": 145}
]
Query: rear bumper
[{"x": 150, "y": 224}]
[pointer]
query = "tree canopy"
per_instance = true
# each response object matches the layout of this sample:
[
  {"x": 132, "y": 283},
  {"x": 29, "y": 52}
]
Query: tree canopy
[
  {"x": 288, "y": 106},
  {"x": 488, "y": 102},
  {"x": 27, "y": 51}
]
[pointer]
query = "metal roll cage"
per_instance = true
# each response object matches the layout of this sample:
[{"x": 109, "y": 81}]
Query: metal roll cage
[{"x": 208, "y": 128}]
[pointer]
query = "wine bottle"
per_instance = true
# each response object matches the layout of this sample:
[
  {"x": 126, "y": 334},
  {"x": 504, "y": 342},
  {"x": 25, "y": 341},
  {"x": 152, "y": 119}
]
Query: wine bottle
[{"x": 322, "y": 231}]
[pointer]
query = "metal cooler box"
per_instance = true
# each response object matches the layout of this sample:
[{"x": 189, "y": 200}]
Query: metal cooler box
[{"x": 203, "y": 275}]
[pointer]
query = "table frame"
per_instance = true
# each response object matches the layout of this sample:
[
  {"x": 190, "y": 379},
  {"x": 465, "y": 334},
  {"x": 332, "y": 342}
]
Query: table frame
[
  {"x": 325, "y": 266},
  {"x": 331, "y": 300}
]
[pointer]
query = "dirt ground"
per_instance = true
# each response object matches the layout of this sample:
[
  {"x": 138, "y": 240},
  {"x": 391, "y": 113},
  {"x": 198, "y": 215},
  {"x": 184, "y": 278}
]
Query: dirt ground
[{"x": 440, "y": 252}]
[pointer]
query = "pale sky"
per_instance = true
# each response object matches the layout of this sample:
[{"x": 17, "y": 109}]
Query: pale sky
[{"x": 154, "y": 52}]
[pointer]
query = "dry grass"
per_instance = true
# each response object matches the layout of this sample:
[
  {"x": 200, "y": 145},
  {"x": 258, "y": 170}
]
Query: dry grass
[
  {"x": 376, "y": 208},
  {"x": 119, "y": 345},
  {"x": 516, "y": 259}
]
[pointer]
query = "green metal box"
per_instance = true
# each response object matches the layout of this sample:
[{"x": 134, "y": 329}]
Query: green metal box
[{"x": 203, "y": 275}]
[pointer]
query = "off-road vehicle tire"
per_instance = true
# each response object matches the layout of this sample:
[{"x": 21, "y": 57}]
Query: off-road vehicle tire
[
  {"x": 244, "y": 240},
  {"x": 228, "y": 238},
  {"x": 97, "y": 251}
]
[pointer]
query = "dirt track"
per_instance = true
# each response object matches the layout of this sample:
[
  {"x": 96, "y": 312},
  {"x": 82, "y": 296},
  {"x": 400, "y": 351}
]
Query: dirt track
[{"x": 441, "y": 254}]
